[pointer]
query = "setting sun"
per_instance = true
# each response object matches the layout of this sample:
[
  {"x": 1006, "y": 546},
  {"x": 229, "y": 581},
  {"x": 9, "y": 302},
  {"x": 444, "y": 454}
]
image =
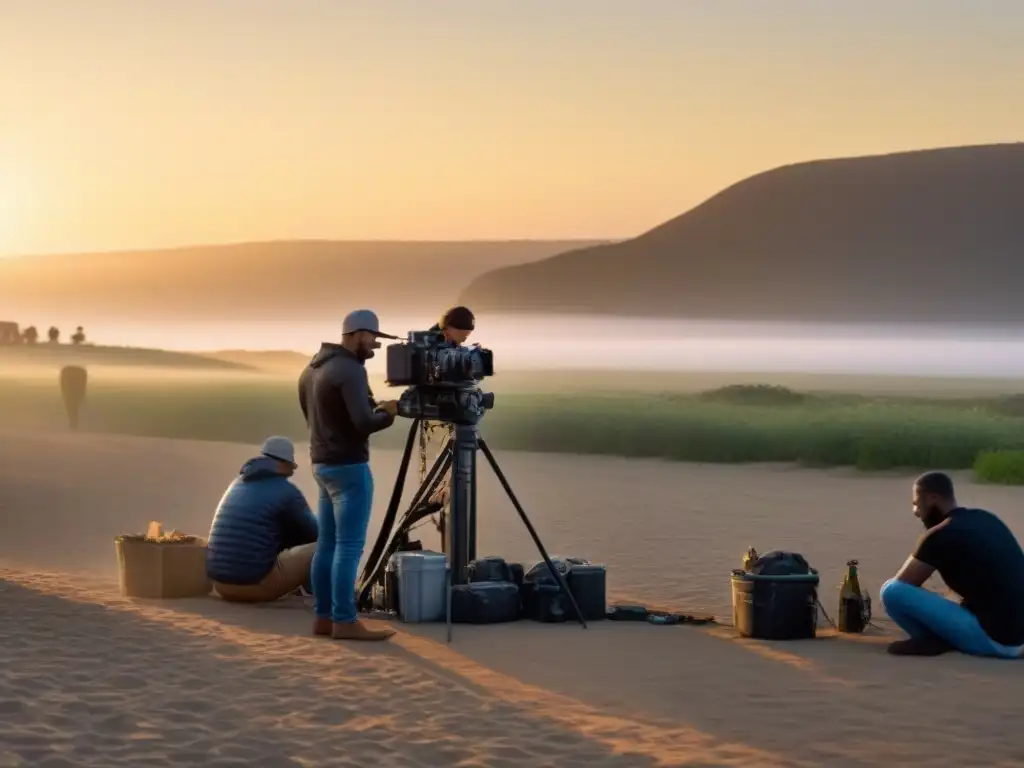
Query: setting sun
[
  {"x": 11, "y": 213},
  {"x": 6, "y": 217},
  {"x": 20, "y": 212}
]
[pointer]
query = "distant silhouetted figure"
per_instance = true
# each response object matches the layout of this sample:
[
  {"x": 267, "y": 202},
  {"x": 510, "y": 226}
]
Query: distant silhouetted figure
[
  {"x": 30, "y": 335},
  {"x": 9, "y": 334},
  {"x": 53, "y": 334},
  {"x": 73, "y": 379},
  {"x": 79, "y": 337}
]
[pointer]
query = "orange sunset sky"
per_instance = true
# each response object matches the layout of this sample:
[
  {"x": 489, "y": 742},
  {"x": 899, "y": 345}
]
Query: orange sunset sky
[{"x": 135, "y": 123}]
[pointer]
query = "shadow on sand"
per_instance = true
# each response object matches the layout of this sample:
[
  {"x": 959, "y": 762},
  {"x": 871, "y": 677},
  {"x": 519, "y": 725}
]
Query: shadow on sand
[
  {"x": 642, "y": 694},
  {"x": 699, "y": 694}
]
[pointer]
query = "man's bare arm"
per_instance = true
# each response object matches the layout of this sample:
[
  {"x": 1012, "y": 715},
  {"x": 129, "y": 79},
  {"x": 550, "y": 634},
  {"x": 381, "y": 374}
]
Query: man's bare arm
[{"x": 915, "y": 572}]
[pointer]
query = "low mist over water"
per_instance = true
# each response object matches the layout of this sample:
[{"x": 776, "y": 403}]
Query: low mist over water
[{"x": 575, "y": 342}]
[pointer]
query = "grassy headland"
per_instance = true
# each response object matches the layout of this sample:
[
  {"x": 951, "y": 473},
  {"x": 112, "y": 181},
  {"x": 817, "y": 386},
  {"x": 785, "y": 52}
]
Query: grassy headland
[
  {"x": 55, "y": 355},
  {"x": 44, "y": 357}
]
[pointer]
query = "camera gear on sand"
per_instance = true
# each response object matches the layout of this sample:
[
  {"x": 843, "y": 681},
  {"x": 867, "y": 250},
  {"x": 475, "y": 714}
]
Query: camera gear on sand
[
  {"x": 775, "y": 597},
  {"x": 441, "y": 385}
]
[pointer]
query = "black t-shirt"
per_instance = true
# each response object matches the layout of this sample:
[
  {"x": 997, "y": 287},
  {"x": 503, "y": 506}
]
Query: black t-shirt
[{"x": 980, "y": 559}]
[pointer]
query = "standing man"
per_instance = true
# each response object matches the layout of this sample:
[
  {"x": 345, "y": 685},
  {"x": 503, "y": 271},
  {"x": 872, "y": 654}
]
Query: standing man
[
  {"x": 980, "y": 559},
  {"x": 336, "y": 400}
]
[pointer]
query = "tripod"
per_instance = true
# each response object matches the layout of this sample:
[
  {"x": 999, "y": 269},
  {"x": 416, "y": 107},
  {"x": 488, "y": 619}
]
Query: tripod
[{"x": 459, "y": 530}]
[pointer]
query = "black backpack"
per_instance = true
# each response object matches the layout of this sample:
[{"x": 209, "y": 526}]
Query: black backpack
[{"x": 778, "y": 563}]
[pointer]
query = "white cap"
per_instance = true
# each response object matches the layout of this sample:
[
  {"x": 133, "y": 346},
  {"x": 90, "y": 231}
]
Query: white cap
[{"x": 280, "y": 448}]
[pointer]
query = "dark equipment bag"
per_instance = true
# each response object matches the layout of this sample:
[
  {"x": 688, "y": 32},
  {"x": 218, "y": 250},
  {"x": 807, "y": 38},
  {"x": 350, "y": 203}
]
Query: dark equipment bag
[
  {"x": 485, "y": 602},
  {"x": 489, "y": 569}
]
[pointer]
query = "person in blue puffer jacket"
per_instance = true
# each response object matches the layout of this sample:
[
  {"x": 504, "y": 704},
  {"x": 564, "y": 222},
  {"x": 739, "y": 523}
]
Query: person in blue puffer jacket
[{"x": 263, "y": 536}]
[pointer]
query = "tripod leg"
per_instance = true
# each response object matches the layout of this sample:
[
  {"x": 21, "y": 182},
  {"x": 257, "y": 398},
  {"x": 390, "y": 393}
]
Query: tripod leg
[
  {"x": 448, "y": 600},
  {"x": 433, "y": 478},
  {"x": 396, "y": 499},
  {"x": 374, "y": 568},
  {"x": 529, "y": 527}
]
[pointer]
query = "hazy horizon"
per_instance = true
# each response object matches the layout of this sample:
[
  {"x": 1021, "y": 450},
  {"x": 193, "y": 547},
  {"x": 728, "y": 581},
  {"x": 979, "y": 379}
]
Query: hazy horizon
[
  {"x": 540, "y": 342},
  {"x": 146, "y": 125},
  {"x": 242, "y": 243}
]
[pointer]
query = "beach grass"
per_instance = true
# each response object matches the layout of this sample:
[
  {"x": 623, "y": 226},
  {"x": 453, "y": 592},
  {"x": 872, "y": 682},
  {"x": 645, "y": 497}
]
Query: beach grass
[
  {"x": 1004, "y": 467},
  {"x": 732, "y": 424}
]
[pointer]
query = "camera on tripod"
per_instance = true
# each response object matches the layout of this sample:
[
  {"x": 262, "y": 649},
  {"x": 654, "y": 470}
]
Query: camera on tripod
[
  {"x": 441, "y": 378},
  {"x": 442, "y": 386}
]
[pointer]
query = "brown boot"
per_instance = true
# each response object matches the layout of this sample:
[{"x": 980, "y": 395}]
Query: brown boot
[
  {"x": 322, "y": 626},
  {"x": 358, "y": 631}
]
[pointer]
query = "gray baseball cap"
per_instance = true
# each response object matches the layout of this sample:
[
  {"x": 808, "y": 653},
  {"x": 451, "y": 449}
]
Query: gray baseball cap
[
  {"x": 280, "y": 448},
  {"x": 364, "y": 320}
]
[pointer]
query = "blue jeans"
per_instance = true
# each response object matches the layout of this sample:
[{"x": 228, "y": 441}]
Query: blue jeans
[
  {"x": 920, "y": 612},
  {"x": 346, "y": 496}
]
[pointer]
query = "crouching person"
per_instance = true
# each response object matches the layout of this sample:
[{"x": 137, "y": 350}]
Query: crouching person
[
  {"x": 263, "y": 536},
  {"x": 979, "y": 558}
]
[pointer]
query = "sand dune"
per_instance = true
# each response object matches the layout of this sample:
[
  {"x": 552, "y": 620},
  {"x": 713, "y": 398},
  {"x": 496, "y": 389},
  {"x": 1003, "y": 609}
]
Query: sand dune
[{"x": 87, "y": 678}]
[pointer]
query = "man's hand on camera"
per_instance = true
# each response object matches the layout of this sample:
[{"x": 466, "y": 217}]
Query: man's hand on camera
[{"x": 389, "y": 406}]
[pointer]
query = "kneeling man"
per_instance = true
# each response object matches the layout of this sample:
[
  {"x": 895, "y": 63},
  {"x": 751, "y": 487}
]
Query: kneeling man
[
  {"x": 264, "y": 534},
  {"x": 977, "y": 557}
]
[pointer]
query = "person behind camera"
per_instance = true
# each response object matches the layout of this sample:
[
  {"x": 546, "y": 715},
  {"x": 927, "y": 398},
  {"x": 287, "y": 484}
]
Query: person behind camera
[
  {"x": 456, "y": 325},
  {"x": 336, "y": 400},
  {"x": 977, "y": 557},
  {"x": 263, "y": 534}
]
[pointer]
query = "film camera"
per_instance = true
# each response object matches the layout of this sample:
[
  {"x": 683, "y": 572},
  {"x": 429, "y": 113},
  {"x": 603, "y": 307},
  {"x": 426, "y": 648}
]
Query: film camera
[{"x": 441, "y": 378}]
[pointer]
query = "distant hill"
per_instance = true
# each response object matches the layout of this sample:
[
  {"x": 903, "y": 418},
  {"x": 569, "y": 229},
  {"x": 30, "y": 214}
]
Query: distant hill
[
  {"x": 283, "y": 361},
  {"x": 266, "y": 282},
  {"x": 54, "y": 355},
  {"x": 927, "y": 236}
]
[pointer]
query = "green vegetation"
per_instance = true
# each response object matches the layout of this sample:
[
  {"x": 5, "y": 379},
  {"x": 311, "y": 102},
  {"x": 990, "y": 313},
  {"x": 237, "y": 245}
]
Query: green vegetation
[
  {"x": 754, "y": 394},
  {"x": 732, "y": 425},
  {"x": 1003, "y": 467}
]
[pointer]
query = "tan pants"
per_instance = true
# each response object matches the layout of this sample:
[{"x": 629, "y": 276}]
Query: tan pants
[{"x": 288, "y": 574}]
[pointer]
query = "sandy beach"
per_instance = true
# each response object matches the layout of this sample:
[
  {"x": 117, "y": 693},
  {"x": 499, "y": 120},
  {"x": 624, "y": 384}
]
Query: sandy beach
[{"x": 90, "y": 679}]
